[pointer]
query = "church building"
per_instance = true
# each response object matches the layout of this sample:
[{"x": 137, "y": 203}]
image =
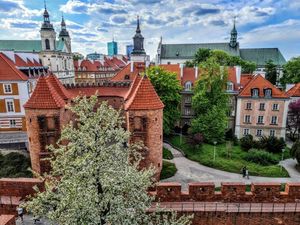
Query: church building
[{"x": 54, "y": 54}]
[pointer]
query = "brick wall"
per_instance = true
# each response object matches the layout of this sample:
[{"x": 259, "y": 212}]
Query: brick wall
[{"x": 230, "y": 192}]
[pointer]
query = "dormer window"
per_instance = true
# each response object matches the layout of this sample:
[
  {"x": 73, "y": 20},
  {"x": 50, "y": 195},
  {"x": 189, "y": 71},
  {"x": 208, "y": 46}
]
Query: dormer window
[
  {"x": 188, "y": 86},
  {"x": 229, "y": 86},
  {"x": 126, "y": 77},
  {"x": 268, "y": 93},
  {"x": 255, "y": 92},
  {"x": 177, "y": 53}
]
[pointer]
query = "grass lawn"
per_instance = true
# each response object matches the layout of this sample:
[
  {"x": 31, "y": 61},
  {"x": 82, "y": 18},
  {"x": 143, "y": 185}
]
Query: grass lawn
[
  {"x": 168, "y": 170},
  {"x": 232, "y": 162},
  {"x": 167, "y": 154}
]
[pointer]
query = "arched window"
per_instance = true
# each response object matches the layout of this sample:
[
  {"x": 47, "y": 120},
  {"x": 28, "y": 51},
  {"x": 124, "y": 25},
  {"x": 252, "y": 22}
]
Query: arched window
[
  {"x": 47, "y": 43},
  {"x": 188, "y": 86}
]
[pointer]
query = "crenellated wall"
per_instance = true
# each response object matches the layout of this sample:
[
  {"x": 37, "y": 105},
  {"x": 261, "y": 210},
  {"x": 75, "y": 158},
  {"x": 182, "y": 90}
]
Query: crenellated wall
[{"x": 230, "y": 192}]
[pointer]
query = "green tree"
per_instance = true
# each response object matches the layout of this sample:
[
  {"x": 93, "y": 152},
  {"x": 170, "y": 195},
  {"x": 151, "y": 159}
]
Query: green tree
[
  {"x": 291, "y": 71},
  {"x": 168, "y": 88},
  {"x": 271, "y": 72},
  {"x": 201, "y": 55},
  {"x": 99, "y": 180},
  {"x": 210, "y": 102},
  {"x": 295, "y": 151}
]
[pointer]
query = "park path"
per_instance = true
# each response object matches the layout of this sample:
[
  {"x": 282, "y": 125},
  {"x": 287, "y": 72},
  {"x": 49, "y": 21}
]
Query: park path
[{"x": 190, "y": 171}]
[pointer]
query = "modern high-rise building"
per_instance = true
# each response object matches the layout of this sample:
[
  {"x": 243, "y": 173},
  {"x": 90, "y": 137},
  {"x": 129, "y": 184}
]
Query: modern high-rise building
[
  {"x": 112, "y": 48},
  {"x": 129, "y": 49}
]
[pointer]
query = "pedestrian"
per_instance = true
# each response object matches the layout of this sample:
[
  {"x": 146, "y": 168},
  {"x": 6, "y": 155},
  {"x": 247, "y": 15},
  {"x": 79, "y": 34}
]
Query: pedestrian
[
  {"x": 36, "y": 219},
  {"x": 20, "y": 213},
  {"x": 244, "y": 171},
  {"x": 247, "y": 173}
]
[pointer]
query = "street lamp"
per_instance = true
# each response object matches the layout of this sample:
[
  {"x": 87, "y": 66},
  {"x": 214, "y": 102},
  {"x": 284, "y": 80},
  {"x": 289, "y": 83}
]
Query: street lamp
[
  {"x": 215, "y": 150},
  {"x": 282, "y": 152}
]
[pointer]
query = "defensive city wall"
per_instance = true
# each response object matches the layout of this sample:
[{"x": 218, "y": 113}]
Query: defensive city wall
[{"x": 264, "y": 204}]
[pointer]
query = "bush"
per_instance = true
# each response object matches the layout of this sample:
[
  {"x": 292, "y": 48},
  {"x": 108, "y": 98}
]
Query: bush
[
  {"x": 295, "y": 151},
  {"x": 167, "y": 154},
  {"x": 271, "y": 144},
  {"x": 14, "y": 165},
  {"x": 247, "y": 142},
  {"x": 195, "y": 139},
  {"x": 168, "y": 170},
  {"x": 261, "y": 157}
]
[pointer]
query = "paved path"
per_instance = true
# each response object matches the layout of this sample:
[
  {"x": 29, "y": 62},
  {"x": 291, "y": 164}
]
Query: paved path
[
  {"x": 190, "y": 171},
  {"x": 28, "y": 220}
]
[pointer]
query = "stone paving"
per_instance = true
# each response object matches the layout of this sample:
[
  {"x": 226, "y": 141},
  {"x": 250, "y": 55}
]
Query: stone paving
[
  {"x": 28, "y": 220},
  {"x": 190, "y": 171}
]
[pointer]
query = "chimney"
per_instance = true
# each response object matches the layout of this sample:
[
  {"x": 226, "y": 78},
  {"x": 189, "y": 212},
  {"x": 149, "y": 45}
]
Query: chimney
[
  {"x": 131, "y": 66},
  {"x": 181, "y": 65},
  {"x": 238, "y": 73},
  {"x": 196, "y": 72}
]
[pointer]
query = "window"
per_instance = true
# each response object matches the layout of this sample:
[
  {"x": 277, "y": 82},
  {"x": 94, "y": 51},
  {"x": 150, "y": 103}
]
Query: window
[
  {"x": 248, "y": 105},
  {"x": 259, "y": 132},
  {"x": 262, "y": 106},
  {"x": 255, "y": 92},
  {"x": 272, "y": 133},
  {"x": 229, "y": 86},
  {"x": 268, "y": 93},
  {"x": 188, "y": 86},
  {"x": 260, "y": 119},
  {"x": 275, "y": 107},
  {"x": 47, "y": 44},
  {"x": 126, "y": 77},
  {"x": 12, "y": 123},
  {"x": 187, "y": 111},
  {"x": 246, "y": 131},
  {"x": 274, "y": 120},
  {"x": 7, "y": 88},
  {"x": 247, "y": 119},
  {"x": 188, "y": 99},
  {"x": 10, "y": 105}
]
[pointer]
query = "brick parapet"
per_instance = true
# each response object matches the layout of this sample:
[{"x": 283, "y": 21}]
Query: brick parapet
[{"x": 230, "y": 192}]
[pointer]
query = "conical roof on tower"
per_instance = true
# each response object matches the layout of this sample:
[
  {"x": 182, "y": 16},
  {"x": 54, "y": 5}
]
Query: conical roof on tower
[
  {"x": 46, "y": 24},
  {"x": 63, "y": 32},
  {"x": 138, "y": 40}
]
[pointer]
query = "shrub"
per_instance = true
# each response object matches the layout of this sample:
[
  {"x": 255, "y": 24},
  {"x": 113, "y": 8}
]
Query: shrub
[
  {"x": 295, "y": 151},
  {"x": 261, "y": 157},
  {"x": 167, "y": 154},
  {"x": 168, "y": 170},
  {"x": 271, "y": 144},
  {"x": 235, "y": 140},
  {"x": 195, "y": 139},
  {"x": 247, "y": 142}
]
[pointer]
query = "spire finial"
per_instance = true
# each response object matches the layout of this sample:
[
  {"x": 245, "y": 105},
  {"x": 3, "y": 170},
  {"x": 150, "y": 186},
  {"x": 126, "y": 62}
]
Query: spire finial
[
  {"x": 45, "y": 5},
  {"x": 138, "y": 30}
]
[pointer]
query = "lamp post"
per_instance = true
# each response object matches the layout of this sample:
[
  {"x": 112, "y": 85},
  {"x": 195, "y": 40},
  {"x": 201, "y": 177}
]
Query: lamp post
[
  {"x": 282, "y": 152},
  {"x": 215, "y": 150}
]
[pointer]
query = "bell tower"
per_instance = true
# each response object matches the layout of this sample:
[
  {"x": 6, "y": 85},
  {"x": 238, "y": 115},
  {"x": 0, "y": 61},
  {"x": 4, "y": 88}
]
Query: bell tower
[
  {"x": 233, "y": 38},
  {"x": 64, "y": 35},
  {"x": 48, "y": 35}
]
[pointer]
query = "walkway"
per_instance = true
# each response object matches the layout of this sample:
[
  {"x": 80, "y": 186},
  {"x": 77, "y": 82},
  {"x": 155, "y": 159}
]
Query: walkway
[{"x": 190, "y": 171}]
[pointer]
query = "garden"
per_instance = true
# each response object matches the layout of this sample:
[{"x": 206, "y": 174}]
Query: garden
[{"x": 230, "y": 157}]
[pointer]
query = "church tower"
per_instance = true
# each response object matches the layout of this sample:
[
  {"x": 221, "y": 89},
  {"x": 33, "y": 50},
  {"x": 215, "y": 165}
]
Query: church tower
[
  {"x": 233, "y": 38},
  {"x": 138, "y": 53},
  {"x": 64, "y": 35},
  {"x": 48, "y": 35}
]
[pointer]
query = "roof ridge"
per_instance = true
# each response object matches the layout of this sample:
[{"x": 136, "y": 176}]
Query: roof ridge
[{"x": 13, "y": 67}]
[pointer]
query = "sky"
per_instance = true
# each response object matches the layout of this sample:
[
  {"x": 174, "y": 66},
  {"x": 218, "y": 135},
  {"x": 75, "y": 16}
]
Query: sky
[{"x": 93, "y": 23}]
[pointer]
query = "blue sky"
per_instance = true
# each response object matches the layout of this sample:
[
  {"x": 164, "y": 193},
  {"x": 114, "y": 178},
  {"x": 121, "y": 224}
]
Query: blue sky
[{"x": 92, "y": 23}]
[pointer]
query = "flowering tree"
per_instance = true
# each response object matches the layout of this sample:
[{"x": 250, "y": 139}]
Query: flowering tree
[
  {"x": 293, "y": 121},
  {"x": 95, "y": 177}
]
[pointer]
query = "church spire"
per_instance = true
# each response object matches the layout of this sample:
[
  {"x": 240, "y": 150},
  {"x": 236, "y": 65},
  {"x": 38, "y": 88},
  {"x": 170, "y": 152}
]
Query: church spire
[
  {"x": 46, "y": 24},
  {"x": 138, "y": 40},
  {"x": 63, "y": 32},
  {"x": 233, "y": 37}
]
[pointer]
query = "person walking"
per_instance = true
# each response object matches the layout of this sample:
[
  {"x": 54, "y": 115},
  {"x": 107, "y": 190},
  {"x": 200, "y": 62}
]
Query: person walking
[
  {"x": 244, "y": 171},
  {"x": 20, "y": 213},
  {"x": 247, "y": 173}
]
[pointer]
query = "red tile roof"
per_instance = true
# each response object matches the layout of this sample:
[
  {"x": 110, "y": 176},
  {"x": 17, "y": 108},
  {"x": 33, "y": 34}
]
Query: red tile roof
[
  {"x": 144, "y": 97},
  {"x": 294, "y": 91},
  {"x": 8, "y": 70},
  {"x": 261, "y": 83},
  {"x": 45, "y": 95},
  {"x": 139, "y": 68}
]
